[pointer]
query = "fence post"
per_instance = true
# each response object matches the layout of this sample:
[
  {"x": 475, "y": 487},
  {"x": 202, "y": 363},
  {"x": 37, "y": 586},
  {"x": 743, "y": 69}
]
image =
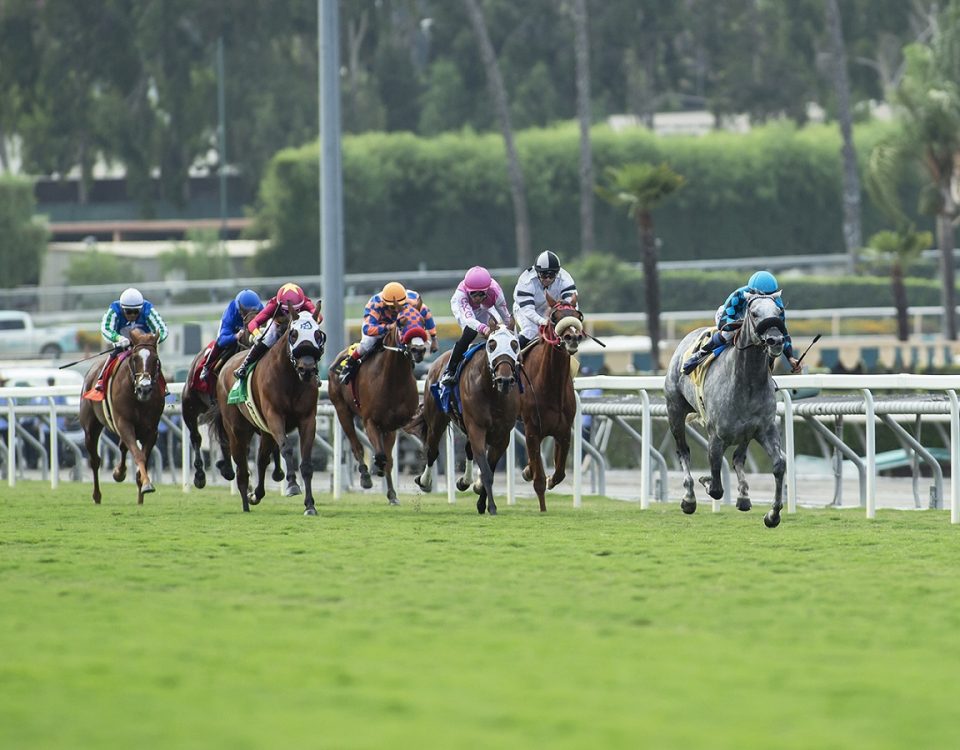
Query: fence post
[
  {"x": 451, "y": 465},
  {"x": 790, "y": 451},
  {"x": 577, "y": 452},
  {"x": 645, "y": 438},
  {"x": 337, "y": 459},
  {"x": 871, "y": 441},
  {"x": 954, "y": 457},
  {"x": 54, "y": 447},
  {"x": 11, "y": 444},
  {"x": 511, "y": 468}
]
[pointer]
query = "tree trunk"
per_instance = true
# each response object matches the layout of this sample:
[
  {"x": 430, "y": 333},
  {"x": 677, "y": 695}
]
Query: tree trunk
[
  {"x": 518, "y": 190},
  {"x": 948, "y": 294},
  {"x": 651, "y": 283},
  {"x": 584, "y": 112},
  {"x": 900, "y": 301},
  {"x": 852, "y": 233}
]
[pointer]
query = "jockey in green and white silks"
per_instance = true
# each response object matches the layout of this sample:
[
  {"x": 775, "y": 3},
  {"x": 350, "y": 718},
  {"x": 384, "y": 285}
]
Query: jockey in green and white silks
[
  {"x": 130, "y": 312},
  {"x": 731, "y": 312}
]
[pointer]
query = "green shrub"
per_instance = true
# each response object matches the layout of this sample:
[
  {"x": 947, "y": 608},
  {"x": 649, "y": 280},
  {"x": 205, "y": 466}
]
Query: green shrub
[
  {"x": 23, "y": 240},
  {"x": 204, "y": 258},
  {"x": 93, "y": 267}
]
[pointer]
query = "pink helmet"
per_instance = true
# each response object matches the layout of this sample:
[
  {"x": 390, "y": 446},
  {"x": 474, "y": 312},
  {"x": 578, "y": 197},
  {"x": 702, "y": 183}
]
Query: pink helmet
[{"x": 477, "y": 279}]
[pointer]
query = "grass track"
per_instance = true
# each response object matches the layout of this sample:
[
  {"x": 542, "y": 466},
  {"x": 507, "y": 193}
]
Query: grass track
[{"x": 185, "y": 623}]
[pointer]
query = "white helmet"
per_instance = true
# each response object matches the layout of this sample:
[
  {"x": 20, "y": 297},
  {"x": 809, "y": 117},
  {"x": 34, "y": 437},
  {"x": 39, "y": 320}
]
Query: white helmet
[
  {"x": 131, "y": 299},
  {"x": 547, "y": 262}
]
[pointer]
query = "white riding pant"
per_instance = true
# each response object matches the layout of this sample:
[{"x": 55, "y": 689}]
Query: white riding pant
[
  {"x": 272, "y": 333},
  {"x": 367, "y": 343},
  {"x": 727, "y": 335}
]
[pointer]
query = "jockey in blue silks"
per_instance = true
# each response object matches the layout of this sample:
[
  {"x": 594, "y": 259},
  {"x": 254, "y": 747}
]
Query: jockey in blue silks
[
  {"x": 731, "y": 312},
  {"x": 231, "y": 323}
]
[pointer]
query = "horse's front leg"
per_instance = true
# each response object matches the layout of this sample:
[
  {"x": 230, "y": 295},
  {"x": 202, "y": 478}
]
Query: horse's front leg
[
  {"x": 268, "y": 447},
  {"x": 464, "y": 482},
  {"x": 678, "y": 426},
  {"x": 291, "y": 463},
  {"x": 561, "y": 446},
  {"x": 120, "y": 470},
  {"x": 389, "y": 438},
  {"x": 434, "y": 433},
  {"x": 93, "y": 428},
  {"x": 485, "y": 502},
  {"x": 278, "y": 475},
  {"x": 770, "y": 440},
  {"x": 534, "y": 469},
  {"x": 128, "y": 437},
  {"x": 345, "y": 417},
  {"x": 308, "y": 431},
  {"x": 713, "y": 483},
  {"x": 191, "y": 412},
  {"x": 743, "y": 489},
  {"x": 378, "y": 440}
]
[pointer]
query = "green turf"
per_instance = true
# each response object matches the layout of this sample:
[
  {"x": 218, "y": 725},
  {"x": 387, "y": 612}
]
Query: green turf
[{"x": 185, "y": 623}]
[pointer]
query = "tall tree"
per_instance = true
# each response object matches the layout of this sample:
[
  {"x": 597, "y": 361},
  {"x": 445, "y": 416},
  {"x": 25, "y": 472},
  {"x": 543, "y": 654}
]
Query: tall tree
[
  {"x": 898, "y": 250},
  {"x": 852, "y": 232},
  {"x": 639, "y": 188},
  {"x": 584, "y": 116},
  {"x": 498, "y": 93}
]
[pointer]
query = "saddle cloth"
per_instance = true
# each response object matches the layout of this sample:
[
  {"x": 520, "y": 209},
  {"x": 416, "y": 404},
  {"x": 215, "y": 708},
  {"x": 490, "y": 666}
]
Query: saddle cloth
[
  {"x": 442, "y": 395},
  {"x": 93, "y": 394}
]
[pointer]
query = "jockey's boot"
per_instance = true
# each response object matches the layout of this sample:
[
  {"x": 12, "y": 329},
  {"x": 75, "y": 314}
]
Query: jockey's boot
[
  {"x": 350, "y": 367},
  {"x": 210, "y": 363},
  {"x": 449, "y": 376},
  {"x": 256, "y": 351},
  {"x": 703, "y": 352},
  {"x": 103, "y": 371}
]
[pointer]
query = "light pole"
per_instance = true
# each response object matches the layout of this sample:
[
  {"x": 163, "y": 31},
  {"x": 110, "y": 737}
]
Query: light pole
[{"x": 222, "y": 139}]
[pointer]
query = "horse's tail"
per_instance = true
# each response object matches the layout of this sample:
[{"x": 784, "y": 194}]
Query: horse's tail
[
  {"x": 417, "y": 426},
  {"x": 214, "y": 418}
]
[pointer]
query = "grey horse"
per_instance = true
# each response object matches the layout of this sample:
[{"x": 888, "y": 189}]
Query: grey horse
[{"x": 738, "y": 404}]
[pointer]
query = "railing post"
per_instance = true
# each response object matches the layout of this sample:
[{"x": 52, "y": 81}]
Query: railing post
[
  {"x": 11, "y": 444},
  {"x": 954, "y": 457},
  {"x": 577, "y": 452},
  {"x": 645, "y": 429},
  {"x": 395, "y": 471},
  {"x": 511, "y": 468},
  {"x": 337, "y": 459},
  {"x": 185, "y": 453},
  {"x": 54, "y": 447},
  {"x": 451, "y": 465},
  {"x": 789, "y": 451},
  {"x": 871, "y": 441}
]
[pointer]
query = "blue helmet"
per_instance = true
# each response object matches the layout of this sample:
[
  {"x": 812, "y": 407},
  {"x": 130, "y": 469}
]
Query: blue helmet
[
  {"x": 248, "y": 299},
  {"x": 763, "y": 282}
]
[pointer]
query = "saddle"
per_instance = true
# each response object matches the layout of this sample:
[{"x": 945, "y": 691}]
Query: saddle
[
  {"x": 239, "y": 391},
  {"x": 93, "y": 394},
  {"x": 448, "y": 399}
]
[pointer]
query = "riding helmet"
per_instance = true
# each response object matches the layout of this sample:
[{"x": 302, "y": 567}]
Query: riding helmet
[
  {"x": 131, "y": 299},
  {"x": 394, "y": 293},
  {"x": 763, "y": 282},
  {"x": 477, "y": 279},
  {"x": 291, "y": 295},
  {"x": 247, "y": 299},
  {"x": 547, "y": 262}
]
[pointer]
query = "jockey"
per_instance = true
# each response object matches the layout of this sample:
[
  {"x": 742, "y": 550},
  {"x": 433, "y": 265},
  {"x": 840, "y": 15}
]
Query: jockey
[
  {"x": 382, "y": 311},
  {"x": 274, "y": 318},
  {"x": 476, "y": 295},
  {"x": 732, "y": 311},
  {"x": 231, "y": 323},
  {"x": 530, "y": 295},
  {"x": 426, "y": 317},
  {"x": 130, "y": 312}
]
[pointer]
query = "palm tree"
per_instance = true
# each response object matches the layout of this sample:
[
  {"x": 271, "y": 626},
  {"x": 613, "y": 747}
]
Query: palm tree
[
  {"x": 518, "y": 190},
  {"x": 641, "y": 187},
  {"x": 899, "y": 249}
]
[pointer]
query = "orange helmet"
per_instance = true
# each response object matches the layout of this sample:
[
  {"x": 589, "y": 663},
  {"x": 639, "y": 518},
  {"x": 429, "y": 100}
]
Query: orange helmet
[
  {"x": 291, "y": 295},
  {"x": 394, "y": 293}
]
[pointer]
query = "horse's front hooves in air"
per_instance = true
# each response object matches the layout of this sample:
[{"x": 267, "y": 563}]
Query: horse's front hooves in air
[
  {"x": 366, "y": 482},
  {"x": 771, "y": 520},
  {"x": 527, "y": 474},
  {"x": 688, "y": 506},
  {"x": 226, "y": 470},
  {"x": 292, "y": 489},
  {"x": 119, "y": 476},
  {"x": 310, "y": 511},
  {"x": 744, "y": 504},
  {"x": 716, "y": 494},
  {"x": 278, "y": 475},
  {"x": 463, "y": 484},
  {"x": 478, "y": 486},
  {"x": 199, "y": 480},
  {"x": 424, "y": 486},
  {"x": 147, "y": 489}
]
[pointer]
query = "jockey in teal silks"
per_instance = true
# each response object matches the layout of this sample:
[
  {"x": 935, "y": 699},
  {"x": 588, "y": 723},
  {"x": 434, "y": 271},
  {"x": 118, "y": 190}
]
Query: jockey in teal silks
[{"x": 731, "y": 312}]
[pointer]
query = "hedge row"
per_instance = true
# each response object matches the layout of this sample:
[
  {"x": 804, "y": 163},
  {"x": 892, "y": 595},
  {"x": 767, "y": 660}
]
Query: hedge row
[
  {"x": 444, "y": 201},
  {"x": 24, "y": 239}
]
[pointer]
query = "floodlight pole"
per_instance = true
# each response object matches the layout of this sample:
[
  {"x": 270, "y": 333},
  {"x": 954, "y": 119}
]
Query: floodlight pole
[
  {"x": 331, "y": 178},
  {"x": 222, "y": 139}
]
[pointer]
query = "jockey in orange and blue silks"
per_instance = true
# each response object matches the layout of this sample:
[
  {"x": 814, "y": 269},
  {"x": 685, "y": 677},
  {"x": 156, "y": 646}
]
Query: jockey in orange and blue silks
[
  {"x": 231, "y": 323},
  {"x": 272, "y": 321},
  {"x": 426, "y": 317},
  {"x": 731, "y": 312},
  {"x": 130, "y": 312},
  {"x": 381, "y": 312},
  {"x": 472, "y": 305}
]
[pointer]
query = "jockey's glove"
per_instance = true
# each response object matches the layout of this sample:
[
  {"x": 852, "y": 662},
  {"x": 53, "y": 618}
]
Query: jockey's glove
[
  {"x": 483, "y": 329},
  {"x": 123, "y": 343}
]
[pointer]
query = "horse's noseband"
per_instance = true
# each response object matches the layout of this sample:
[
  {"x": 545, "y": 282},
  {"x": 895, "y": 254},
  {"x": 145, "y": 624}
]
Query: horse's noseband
[{"x": 767, "y": 323}]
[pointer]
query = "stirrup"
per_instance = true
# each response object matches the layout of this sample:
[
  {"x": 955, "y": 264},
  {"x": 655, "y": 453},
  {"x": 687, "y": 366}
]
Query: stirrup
[
  {"x": 448, "y": 378},
  {"x": 695, "y": 361},
  {"x": 241, "y": 372}
]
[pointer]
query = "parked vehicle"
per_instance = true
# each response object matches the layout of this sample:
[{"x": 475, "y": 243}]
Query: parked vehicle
[{"x": 21, "y": 339}]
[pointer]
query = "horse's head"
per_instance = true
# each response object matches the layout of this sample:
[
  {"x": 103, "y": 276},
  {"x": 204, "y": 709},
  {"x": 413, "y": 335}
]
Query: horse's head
[
  {"x": 305, "y": 345},
  {"x": 763, "y": 323},
  {"x": 144, "y": 364},
  {"x": 567, "y": 323},
  {"x": 503, "y": 351},
  {"x": 413, "y": 342}
]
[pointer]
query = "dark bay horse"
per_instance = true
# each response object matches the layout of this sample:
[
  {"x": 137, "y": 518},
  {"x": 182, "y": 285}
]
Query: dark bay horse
[
  {"x": 490, "y": 408},
  {"x": 386, "y": 389},
  {"x": 131, "y": 409},
  {"x": 283, "y": 389},
  {"x": 548, "y": 404},
  {"x": 738, "y": 404},
  {"x": 195, "y": 402}
]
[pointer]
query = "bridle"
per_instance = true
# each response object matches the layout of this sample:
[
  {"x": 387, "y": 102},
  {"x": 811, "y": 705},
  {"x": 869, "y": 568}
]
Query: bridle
[
  {"x": 144, "y": 380},
  {"x": 563, "y": 315},
  {"x": 754, "y": 332}
]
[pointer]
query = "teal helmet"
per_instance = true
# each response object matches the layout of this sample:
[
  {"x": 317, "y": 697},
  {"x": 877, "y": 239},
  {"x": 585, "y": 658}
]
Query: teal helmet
[{"x": 763, "y": 282}]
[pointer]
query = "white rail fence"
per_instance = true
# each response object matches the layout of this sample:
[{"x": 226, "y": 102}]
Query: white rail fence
[{"x": 633, "y": 398}]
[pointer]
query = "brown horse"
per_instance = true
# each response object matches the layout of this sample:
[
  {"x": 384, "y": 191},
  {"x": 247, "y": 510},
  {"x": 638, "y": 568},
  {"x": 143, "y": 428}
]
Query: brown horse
[
  {"x": 131, "y": 409},
  {"x": 548, "y": 404},
  {"x": 490, "y": 408},
  {"x": 283, "y": 388},
  {"x": 386, "y": 390},
  {"x": 195, "y": 402}
]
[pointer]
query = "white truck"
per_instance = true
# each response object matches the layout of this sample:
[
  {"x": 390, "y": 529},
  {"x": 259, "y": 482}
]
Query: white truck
[{"x": 21, "y": 339}]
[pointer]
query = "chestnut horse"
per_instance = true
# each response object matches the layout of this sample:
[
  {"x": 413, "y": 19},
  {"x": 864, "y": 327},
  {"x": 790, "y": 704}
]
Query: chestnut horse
[
  {"x": 283, "y": 388},
  {"x": 133, "y": 403},
  {"x": 548, "y": 404},
  {"x": 386, "y": 389},
  {"x": 195, "y": 402},
  {"x": 490, "y": 408}
]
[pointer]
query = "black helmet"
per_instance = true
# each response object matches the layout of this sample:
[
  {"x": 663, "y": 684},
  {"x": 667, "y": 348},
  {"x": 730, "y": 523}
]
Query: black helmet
[{"x": 547, "y": 262}]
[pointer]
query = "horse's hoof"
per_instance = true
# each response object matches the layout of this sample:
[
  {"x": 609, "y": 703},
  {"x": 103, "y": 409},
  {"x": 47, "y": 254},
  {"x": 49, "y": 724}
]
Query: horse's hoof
[
  {"x": 254, "y": 500},
  {"x": 226, "y": 470},
  {"x": 744, "y": 504},
  {"x": 393, "y": 501},
  {"x": 278, "y": 475},
  {"x": 688, "y": 506},
  {"x": 119, "y": 477},
  {"x": 463, "y": 484},
  {"x": 147, "y": 488},
  {"x": 716, "y": 494},
  {"x": 492, "y": 510},
  {"x": 478, "y": 486},
  {"x": 527, "y": 474},
  {"x": 424, "y": 486},
  {"x": 771, "y": 520},
  {"x": 481, "y": 507},
  {"x": 199, "y": 480},
  {"x": 291, "y": 489},
  {"x": 366, "y": 482},
  {"x": 310, "y": 511}
]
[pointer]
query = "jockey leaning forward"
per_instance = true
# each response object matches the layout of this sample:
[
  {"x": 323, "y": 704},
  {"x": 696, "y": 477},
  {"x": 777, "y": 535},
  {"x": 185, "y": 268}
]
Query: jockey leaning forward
[
  {"x": 391, "y": 306},
  {"x": 130, "y": 312},
  {"x": 730, "y": 314},
  {"x": 476, "y": 296},
  {"x": 231, "y": 324},
  {"x": 274, "y": 319},
  {"x": 530, "y": 295}
]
